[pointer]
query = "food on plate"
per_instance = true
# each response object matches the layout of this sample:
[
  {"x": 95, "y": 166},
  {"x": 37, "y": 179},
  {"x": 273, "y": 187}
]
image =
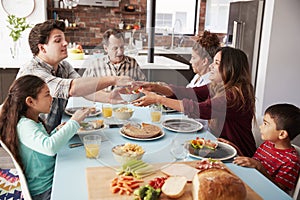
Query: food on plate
[
  {"x": 124, "y": 185},
  {"x": 93, "y": 110},
  {"x": 147, "y": 192},
  {"x": 136, "y": 168},
  {"x": 215, "y": 182},
  {"x": 145, "y": 131},
  {"x": 90, "y": 125},
  {"x": 209, "y": 163},
  {"x": 157, "y": 182},
  {"x": 174, "y": 186},
  {"x": 199, "y": 143}
]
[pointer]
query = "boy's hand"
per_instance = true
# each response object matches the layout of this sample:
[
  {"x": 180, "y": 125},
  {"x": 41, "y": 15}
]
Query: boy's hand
[{"x": 247, "y": 162}]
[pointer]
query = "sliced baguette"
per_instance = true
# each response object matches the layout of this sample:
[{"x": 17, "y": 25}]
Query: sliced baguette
[{"x": 174, "y": 186}]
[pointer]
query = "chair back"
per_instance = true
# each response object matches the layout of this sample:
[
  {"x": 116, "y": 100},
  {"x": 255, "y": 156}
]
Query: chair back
[
  {"x": 24, "y": 187},
  {"x": 297, "y": 188}
]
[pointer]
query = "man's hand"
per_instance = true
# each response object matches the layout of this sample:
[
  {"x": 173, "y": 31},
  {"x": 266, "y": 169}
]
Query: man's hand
[{"x": 123, "y": 81}]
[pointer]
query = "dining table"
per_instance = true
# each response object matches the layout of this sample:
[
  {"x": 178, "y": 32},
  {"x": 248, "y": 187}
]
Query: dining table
[{"x": 70, "y": 178}]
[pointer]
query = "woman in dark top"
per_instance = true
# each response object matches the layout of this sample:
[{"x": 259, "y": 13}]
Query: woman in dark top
[{"x": 228, "y": 102}]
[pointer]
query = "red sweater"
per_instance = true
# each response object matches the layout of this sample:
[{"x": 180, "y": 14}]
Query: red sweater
[
  {"x": 232, "y": 123},
  {"x": 282, "y": 165}
]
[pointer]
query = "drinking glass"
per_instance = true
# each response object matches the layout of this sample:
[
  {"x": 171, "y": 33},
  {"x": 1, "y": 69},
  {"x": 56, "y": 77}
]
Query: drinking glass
[
  {"x": 92, "y": 145},
  {"x": 179, "y": 149},
  {"x": 156, "y": 112},
  {"x": 107, "y": 110}
]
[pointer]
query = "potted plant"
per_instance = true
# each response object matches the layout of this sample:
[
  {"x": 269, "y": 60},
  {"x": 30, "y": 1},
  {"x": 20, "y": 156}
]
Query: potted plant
[{"x": 16, "y": 25}]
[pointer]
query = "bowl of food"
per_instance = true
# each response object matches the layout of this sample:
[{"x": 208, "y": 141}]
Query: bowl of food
[
  {"x": 126, "y": 152},
  {"x": 123, "y": 113},
  {"x": 129, "y": 94}
]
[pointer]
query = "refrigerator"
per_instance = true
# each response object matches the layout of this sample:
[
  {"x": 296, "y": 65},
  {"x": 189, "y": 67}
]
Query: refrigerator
[{"x": 244, "y": 30}]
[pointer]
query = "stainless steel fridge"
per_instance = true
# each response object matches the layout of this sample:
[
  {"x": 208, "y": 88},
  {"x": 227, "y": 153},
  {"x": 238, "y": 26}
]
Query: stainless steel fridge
[{"x": 244, "y": 30}]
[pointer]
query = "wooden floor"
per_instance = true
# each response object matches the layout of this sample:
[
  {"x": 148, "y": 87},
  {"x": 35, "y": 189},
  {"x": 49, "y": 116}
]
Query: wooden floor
[{"x": 5, "y": 160}]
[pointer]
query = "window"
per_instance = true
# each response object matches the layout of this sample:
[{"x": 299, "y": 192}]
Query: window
[
  {"x": 216, "y": 16},
  {"x": 176, "y": 16}
]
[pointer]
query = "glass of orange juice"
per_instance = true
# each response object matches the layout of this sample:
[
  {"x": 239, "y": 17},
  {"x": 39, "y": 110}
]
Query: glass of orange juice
[
  {"x": 92, "y": 145},
  {"x": 107, "y": 110},
  {"x": 156, "y": 112}
]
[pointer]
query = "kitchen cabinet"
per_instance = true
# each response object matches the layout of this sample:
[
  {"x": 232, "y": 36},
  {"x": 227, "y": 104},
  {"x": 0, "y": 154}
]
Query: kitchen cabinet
[
  {"x": 130, "y": 19},
  {"x": 7, "y": 76}
]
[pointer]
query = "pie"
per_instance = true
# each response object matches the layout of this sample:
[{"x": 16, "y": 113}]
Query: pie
[{"x": 143, "y": 132}]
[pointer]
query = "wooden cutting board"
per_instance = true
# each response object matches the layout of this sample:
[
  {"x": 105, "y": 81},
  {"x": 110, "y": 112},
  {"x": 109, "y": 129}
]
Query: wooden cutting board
[{"x": 99, "y": 179}]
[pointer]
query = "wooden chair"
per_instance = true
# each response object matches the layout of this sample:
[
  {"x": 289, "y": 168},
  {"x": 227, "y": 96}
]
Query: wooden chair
[
  {"x": 295, "y": 193},
  {"x": 24, "y": 187}
]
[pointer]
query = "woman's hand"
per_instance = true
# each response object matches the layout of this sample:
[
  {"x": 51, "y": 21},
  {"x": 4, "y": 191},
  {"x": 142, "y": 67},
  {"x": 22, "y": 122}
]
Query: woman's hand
[
  {"x": 148, "y": 99},
  {"x": 114, "y": 96}
]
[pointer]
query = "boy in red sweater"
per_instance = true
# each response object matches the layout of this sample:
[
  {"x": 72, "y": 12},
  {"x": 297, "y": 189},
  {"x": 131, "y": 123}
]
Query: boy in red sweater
[{"x": 276, "y": 158}]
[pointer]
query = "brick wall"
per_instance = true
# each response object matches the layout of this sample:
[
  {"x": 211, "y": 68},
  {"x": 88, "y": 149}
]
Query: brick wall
[{"x": 92, "y": 21}]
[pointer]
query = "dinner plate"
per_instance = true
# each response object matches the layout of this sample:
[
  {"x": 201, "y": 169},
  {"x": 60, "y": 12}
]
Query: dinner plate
[
  {"x": 142, "y": 139},
  {"x": 182, "y": 125},
  {"x": 71, "y": 111},
  {"x": 222, "y": 152},
  {"x": 89, "y": 129},
  {"x": 168, "y": 110}
]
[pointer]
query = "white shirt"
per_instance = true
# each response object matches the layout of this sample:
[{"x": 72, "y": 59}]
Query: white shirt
[{"x": 203, "y": 80}]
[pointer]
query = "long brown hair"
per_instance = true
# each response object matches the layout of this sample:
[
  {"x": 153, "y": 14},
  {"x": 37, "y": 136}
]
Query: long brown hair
[
  {"x": 14, "y": 107},
  {"x": 234, "y": 69}
]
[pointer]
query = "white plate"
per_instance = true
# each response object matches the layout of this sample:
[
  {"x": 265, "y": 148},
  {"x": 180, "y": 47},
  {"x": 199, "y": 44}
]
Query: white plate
[
  {"x": 182, "y": 125},
  {"x": 223, "y": 152},
  {"x": 71, "y": 111},
  {"x": 142, "y": 139},
  {"x": 89, "y": 130}
]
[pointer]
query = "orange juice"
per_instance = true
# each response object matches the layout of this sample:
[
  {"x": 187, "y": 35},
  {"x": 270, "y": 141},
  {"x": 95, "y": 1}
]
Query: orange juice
[
  {"x": 92, "y": 150},
  {"x": 107, "y": 111},
  {"x": 155, "y": 116}
]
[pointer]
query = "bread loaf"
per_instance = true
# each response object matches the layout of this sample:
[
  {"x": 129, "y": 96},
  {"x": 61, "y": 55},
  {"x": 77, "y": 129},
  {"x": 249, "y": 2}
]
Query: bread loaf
[
  {"x": 146, "y": 131},
  {"x": 218, "y": 184},
  {"x": 174, "y": 186}
]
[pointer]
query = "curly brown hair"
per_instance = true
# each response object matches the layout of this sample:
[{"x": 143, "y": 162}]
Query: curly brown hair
[
  {"x": 207, "y": 45},
  {"x": 40, "y": 33}
]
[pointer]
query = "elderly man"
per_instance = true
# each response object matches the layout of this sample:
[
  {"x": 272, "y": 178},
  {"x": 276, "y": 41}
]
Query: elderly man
[
  {"x": 115, "y": 63},
  {"x": 49, "y": 47}
]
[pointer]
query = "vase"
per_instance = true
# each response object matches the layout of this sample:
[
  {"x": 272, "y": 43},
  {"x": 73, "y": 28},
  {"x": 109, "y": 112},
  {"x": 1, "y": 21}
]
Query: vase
[{"x": 14, "y": 50}]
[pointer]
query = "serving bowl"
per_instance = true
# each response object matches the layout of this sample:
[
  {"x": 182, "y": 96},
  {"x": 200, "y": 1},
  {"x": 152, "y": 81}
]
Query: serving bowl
[
  {"x": 129, "y": 94},
  {"x": 124, "y": 153},
  {"x": 123, "y": 113}
]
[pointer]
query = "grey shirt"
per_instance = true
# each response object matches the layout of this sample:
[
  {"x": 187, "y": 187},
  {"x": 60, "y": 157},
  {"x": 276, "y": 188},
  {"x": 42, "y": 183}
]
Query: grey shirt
[{"x": 59, "y": 85}]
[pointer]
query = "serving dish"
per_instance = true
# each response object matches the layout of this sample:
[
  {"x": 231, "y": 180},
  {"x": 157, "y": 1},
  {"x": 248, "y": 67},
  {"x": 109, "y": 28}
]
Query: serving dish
[
  {"x": 222, "y": 152},
  {"x": 142, "y": 139},
  {"x": 182, "y": 125},
  {"x": 72, "y": 110}
]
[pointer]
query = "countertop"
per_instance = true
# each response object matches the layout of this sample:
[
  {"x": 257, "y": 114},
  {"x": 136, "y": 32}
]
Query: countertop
[{"x": 160, "y": 62}]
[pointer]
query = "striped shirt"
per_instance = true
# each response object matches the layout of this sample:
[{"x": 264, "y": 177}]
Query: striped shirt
[
  {"x": 59, "y": 84},
  {"x": 282, "y": 165},
  {"x": 103, "y": 67}
]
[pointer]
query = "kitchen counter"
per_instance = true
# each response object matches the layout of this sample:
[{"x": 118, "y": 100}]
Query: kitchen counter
[{"x": 160, "y": 62}]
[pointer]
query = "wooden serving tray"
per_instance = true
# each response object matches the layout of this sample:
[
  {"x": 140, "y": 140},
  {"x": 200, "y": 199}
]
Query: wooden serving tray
[{"x": 99, "y": 179}]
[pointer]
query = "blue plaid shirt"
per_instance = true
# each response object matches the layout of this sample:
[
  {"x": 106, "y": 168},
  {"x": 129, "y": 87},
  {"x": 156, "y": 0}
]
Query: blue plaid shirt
[{"x": 59, "y": 85}]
